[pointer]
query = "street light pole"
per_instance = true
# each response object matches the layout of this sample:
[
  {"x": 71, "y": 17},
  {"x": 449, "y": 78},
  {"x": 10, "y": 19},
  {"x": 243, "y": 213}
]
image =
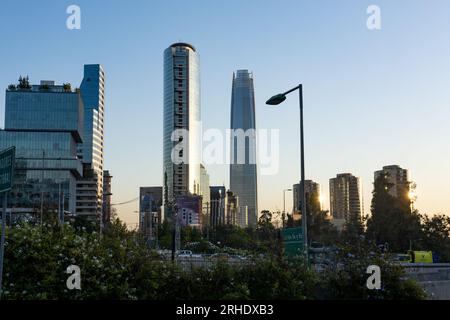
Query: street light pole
[
  {"x": 302, "y": 170},
  {"x": 275, "y": 100}
]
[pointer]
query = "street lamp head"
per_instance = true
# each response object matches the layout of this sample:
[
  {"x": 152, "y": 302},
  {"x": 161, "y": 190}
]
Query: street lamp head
[{"x": 276, "y": 99}]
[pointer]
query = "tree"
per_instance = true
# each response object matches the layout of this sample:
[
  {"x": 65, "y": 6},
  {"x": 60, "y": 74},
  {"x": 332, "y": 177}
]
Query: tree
[
  {"x": 353, "y": 229},
  {"x": 436, "y": 236},
  {"x": 24, "y": 83},
  {"x": 67, "y": 87},
  {"x": 320, "y": 228},
  {"x": 346, "y": 277},
  {"x": 392, "y": 221}
]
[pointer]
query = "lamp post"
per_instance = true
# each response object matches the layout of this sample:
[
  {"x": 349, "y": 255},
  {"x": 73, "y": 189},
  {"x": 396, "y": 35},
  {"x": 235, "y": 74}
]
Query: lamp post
[
  {"x": 284, "y": 204},
  {"x": 276, "y": 100}
]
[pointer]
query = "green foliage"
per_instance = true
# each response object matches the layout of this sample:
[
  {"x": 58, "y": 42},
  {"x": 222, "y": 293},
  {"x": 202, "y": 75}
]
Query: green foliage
[
  {"x": 118, "y": 265},
  {"x": 436, "y": 236},
  {"x": 24, "y": 83},
  {"x": 353, "y": 230},
  {"x": 346, "y": 278},
  {"x": 67, "y": 87},
  {"x": 320, "y": 228},
  {"x": 392, "y": 220}
]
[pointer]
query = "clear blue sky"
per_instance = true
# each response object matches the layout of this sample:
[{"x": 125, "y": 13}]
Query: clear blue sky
[{"x": 372, "y": 98}]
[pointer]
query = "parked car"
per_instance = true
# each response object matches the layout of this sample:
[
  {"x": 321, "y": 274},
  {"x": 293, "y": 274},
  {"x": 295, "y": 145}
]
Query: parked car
[{"x": 184, "y": 253}]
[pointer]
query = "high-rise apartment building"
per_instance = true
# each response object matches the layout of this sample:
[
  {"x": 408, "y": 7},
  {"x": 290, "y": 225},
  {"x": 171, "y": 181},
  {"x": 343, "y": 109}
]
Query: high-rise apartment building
[
  {"x": 45, "y": 123},
  {"x": 243, "y": 171},
  {"x": 346, "y": 199},
  {"x": 397, "y": 178},
  {"x": 181, "y": 136},
  {"x": 90, "y": 187}
]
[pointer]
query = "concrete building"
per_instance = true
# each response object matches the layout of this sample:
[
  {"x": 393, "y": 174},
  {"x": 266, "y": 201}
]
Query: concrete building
[
  {"x": 398, "y": 179},
  {"x": 346, "y": 198}
]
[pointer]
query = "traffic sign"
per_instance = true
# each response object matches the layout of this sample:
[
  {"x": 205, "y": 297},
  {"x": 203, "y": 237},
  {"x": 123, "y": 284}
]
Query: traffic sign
[{"x": 293, "y": 241}]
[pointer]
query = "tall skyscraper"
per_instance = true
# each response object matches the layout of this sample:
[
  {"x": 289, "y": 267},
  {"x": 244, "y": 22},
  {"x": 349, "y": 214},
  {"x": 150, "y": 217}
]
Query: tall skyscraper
[
  {"x": 243, "y": 181},
  {"x": 181, "y": 122},
  {"x": 313, "y": 193},
  {"x": 398, "y": 179},
  {"x": 44, "y": 122},
  {"x": 346, "y": 198},
  {"x": 90, "y": 187}
]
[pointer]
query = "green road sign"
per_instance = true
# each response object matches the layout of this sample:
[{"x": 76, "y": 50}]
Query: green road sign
[
  {"x": 293, "y": 241},
  {"x": 7, "y": 169}
]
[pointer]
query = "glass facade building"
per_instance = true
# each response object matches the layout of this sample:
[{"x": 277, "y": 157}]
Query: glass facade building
[
  {"x": 243, "y": 174},
  {"x": 44, "y": 123},
  {"x": 181, "y": 113},
  {"x": 90, "y": 188}
]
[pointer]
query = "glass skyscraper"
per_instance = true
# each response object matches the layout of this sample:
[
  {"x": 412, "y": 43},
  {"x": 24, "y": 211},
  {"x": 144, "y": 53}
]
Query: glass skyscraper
[
  {"x": 90, "y": 187},
  {"x": 243, "y": 181},
  {"x": 181, "y": 112},
  {"x": 45, "y": 123}
]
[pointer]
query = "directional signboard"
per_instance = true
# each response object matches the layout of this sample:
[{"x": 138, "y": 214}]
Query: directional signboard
[
  {"x": 6, "y": 169},
  {"x": 293, "y": 241}
]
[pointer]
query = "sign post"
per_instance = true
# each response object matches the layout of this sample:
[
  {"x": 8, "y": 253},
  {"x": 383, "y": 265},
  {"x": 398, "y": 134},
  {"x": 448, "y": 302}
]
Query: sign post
[
  {"x": 6, "y": 180},
  {"x": 293, "y": 241}
]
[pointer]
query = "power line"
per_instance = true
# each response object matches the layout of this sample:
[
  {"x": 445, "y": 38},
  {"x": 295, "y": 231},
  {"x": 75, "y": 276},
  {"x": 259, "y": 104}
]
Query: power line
[{"x": 121, "y": 203}]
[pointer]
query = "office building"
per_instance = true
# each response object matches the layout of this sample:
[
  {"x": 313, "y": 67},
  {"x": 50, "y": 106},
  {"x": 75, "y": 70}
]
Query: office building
[
  {"x": 45, "y": 123},
  {"x": 150, "y": 216},
  {"x": 189, "y": 211},
  {"x": 346, "y": 198},
  {"x": 243, "y": 174},
  {"x": 217, "y": 207},
  {"x": 90, "y": 187},
  {"x": 181, "y": 136}
]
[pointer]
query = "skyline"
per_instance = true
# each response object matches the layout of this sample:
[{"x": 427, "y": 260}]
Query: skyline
[{"x": 413, "y": 86}]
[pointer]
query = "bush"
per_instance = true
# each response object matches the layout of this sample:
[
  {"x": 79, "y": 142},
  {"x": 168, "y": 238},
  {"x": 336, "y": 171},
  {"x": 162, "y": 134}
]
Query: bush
[
  {"x": 119, "y": 265},
  {"x": 346, "y": 277}
]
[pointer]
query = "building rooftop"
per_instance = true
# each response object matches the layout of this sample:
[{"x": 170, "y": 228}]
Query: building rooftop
[{"x": 183, "y": 44}]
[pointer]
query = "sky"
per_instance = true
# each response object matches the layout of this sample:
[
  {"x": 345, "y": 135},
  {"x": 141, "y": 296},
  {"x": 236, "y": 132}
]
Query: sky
[{"x": 371, "y": 97}]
